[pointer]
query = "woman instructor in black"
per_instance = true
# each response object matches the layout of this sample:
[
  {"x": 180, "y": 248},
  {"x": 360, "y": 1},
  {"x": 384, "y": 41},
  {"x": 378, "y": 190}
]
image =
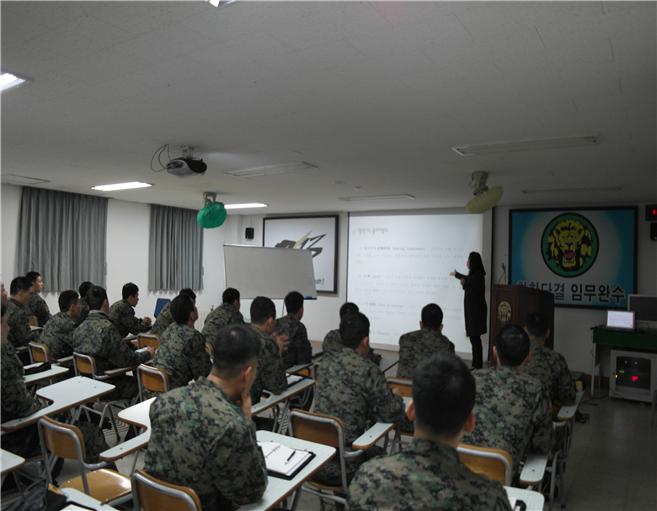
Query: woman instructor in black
[{"x": 474, "y": 303}]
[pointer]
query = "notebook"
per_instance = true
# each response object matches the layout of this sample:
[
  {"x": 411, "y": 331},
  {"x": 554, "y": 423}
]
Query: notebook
[
  {"x": 283, "y": 461},
  {"x": 294, "y": 378}
]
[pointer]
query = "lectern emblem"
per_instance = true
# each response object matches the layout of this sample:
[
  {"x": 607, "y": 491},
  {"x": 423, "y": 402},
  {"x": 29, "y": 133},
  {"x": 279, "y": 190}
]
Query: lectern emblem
[
  {"x": 569, "y": 245},
  {"x": 504, "y": 312}
]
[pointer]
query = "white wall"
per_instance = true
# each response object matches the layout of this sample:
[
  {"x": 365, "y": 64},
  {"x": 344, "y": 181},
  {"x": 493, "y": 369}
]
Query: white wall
[{"x": 572, "y": 327}]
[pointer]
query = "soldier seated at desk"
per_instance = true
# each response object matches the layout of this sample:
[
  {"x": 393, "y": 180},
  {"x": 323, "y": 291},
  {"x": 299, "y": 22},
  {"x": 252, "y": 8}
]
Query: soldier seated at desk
[
  {"x": 332, "y": 341},
  {"x": 228, "y": 313},
  {"x": 122, "y": 313},
  {"x": 21, "y": 334},
  {"x": 58, "y": 332},
  {"x": 36, "y": 305},
  {"x": 164, "y": 318},
  {"x": 428, "y": 473},
  {"x": 299, "y": 350}
]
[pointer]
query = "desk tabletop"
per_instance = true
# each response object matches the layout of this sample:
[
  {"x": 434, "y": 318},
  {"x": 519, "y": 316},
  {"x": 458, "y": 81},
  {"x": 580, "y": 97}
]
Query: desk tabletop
[
  {"x": 278, "y": 488},
  {"x": 55, "y": 370},
  {"x": 568, "y": 412},
  {"x": 10, "y": 461},
  {"x": 136, "y": 415},
  {"x": 77, "y": 497},
  {"x": 274, "y": 399},
  {"x": 533, "y": 499},
  {"x": 62, "y": 396}
]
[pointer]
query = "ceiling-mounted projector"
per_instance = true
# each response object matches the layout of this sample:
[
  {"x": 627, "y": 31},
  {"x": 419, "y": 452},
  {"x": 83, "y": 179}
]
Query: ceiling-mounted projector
[
  {"x": 182, "y": 166},
  {"x": 485, "y": 198}
]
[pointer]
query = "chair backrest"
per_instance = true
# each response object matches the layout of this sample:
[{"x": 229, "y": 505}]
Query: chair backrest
[
  {"x": 85, "y": 365},
  {"x": 151, "y": 494},
  {"x": 153, "y": 379},
  {"x": 144, "y": 341},
  {"x": 39, "y": 352},
  {"x": 496, "y": 464},
  {"x": 160, "y": 303},
  {"x": 403, "y": 386}
]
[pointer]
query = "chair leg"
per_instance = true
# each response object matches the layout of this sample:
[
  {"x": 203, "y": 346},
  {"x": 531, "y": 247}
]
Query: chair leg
[{"x": 108, "y": 407}]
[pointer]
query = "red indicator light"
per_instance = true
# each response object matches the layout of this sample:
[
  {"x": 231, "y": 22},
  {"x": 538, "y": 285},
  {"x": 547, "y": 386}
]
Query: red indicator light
[{"x": 634, "y": 378}]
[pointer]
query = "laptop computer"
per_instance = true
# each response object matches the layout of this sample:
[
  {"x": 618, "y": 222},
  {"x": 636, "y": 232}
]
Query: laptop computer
[{"x": 620, "y": 320}]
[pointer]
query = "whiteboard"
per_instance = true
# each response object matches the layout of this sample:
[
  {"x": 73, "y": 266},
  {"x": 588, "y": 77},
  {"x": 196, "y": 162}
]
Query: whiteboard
[
  {"x": 271, "y": 272},
  {"x": 398, "y": 263}
]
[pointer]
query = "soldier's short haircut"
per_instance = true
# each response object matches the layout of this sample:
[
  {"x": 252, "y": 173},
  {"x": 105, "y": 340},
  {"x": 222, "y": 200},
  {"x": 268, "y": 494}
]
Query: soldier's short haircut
[
  {"x": 32, "y": 276},
  {"x": 66, "y": 299},
  {"x": 84, "y": 287},
  {"x": 262, "y": 308},
  {"x": 537, "y": 325},
  {"x": 230, "y": 295},
  {"x": 444, "y": 394},
  {"x": 353, "y": 329},
  {"x": 432, "y": 316},
  {"x": 19, "y": 284},
  {"x": 129, "y": 290},
  {"x": 181, "y": 307},
  {"x": 188, "y": 292},
  {"x": 95, "y": 297},
  {"x": 234, "y": 348},
  {"x": 293, "y": 301},
  {"x": 348, "y": 308},
  {"x": 512, "y": 344}
]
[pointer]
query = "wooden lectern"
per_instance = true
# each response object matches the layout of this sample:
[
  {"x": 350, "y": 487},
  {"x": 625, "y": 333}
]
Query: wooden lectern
[{"x": 512, "y": 304}]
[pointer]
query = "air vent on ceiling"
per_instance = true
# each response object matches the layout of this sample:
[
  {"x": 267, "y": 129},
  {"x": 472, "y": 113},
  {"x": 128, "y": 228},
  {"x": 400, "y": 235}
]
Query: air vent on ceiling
[
  {"x": 17, "y": 179},
  {"x": 272, "y": 170},
  {"x": 358, "y": 198}
]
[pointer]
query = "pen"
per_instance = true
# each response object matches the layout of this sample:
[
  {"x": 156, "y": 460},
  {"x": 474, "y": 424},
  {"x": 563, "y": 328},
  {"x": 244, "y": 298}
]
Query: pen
[{"x": 290, "y": 456}]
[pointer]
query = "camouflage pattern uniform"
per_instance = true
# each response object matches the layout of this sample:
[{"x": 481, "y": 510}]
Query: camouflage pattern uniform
[
  {"x": 424, "y": 477},
  {"x": 420, "y": 345},
  {"x": 201, "y": 439},
  {"x": 98, "y": 337},
  {"x": 122, "y": 314},
  {"x": 299, "y": 350},
  {"x": 17, "y": 402},
  {"x": 20, "y": 333},
  {"x": 58, "y": 335},
  {"x": 353, "y": 388},
  {"x": 552, "y": 369},
  {"x": 220, "y": 317},
  {"x": 163, "y": 320},
  {"x": 333, "y": 342},
  {"x": 271, "y": 371},
  {"x": 84, "y": 311},
  {"x": 182, "y": 353},
  {"x": 37, "y": 306},
  {"x": 513, "y": 413}
]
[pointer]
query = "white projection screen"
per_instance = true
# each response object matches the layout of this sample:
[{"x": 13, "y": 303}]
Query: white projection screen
[{"x": 398, "y": 263}]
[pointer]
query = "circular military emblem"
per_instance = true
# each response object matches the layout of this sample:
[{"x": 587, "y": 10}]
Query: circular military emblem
[
  {"x": 504, "y": 312},
  {"x": 569, "y": 245}
]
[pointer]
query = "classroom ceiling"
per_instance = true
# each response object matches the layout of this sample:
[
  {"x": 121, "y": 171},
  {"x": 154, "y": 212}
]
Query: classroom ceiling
[{"x": 374, "y": 94}]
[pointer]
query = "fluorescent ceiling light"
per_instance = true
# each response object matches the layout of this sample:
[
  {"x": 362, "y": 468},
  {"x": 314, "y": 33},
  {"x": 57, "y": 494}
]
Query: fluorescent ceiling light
[
  {"x": 246, "y": 205},
  {"x": 220, "y": 3},
  {"x": 401, "y": 196},
  {"x": 615, "y": 188},
  {"x": 272, "y": 170},
  {"x": 121, "y": 186},
  {"x": 536, "y": 144},
  {"x": 8, "y": 80}
]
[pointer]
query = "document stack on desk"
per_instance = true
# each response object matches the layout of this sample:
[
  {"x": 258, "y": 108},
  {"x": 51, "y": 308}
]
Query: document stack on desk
[{"x": 283, "y": 461}]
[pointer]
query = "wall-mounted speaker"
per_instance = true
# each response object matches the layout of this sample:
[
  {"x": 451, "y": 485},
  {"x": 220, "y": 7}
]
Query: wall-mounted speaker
[{"x": 249, "y": 233}]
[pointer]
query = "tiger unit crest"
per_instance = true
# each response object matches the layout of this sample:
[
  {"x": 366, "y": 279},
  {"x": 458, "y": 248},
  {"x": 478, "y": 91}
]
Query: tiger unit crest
[{"x": 569, "y": 245}]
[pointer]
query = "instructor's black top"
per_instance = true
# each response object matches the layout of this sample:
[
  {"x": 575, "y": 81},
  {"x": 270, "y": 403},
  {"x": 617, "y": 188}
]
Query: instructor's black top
[{"x": 474, "y": 303}]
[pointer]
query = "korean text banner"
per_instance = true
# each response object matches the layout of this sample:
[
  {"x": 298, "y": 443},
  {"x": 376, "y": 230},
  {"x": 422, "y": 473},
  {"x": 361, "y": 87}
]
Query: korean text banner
[{"x": 585, "y": 257}]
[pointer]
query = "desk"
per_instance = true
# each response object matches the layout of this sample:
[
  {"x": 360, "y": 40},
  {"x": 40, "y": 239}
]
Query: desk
[
  {"x": 137, "y": 415},
  {"x": 49, "y": 374},
  {"x": 567, "y": 412},
  {"x": 278, "y": 488},
  {"x": 274, "y": 399},
  {"x": 601, "y": 336},
  {"x": 9, "y": 461},
  {"x": 63, "y": 396},
  {"x": 77, "y": 497},
  {"x": 533, "y": 499},
  {"x": 388, "y": 362}
]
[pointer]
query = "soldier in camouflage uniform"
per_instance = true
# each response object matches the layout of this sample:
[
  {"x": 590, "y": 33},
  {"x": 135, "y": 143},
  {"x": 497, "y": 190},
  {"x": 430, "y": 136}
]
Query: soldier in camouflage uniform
[
  {"x": 512, "y": 408},
  {"x": 36, "y": 306},
  {"x": 547, "y": 365},
  {"x": 333, "y": 342},
  {"x": 420, "y": 345},
  {"x": 98, "y": 337},
  {"x": 428, "y": 474},
  {"x": 182, "y": 348},
  {"x": 20, "y": 333},
  {"x": 17, "y": 402},
  {"x": 84, "y": 307},
  {"x": 58, "y": 332},
  {"x": 299, "y": 350},
  {"x": 228, "y": 313},
  {"x": 122, "y": 313},
  {"x": 164, "y": 318},
  {"x": 271, "y": 370},
  {"x": 202, "y": 435},
  {"x": 352, "y": 388}
]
